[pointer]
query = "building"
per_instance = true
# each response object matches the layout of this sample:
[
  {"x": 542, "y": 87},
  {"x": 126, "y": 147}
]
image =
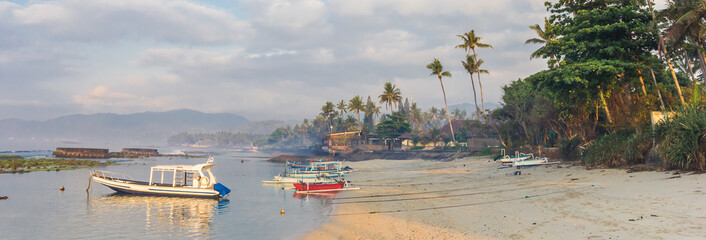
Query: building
[
  {"x": 140, "y": 152},
  {"x": 81, "y": 153}
]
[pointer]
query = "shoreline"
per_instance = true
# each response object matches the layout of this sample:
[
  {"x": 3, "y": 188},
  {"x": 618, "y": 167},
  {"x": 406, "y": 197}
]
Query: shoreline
[{"x": 471, "y": 198}]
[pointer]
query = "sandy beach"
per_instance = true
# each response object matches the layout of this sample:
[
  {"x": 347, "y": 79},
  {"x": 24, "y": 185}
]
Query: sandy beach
[{"x": 470, "y": 198}]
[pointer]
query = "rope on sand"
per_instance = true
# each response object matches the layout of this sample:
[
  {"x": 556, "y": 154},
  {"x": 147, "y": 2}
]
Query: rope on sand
[
  {"x": 453, "y": 206},
  {"x": 434, "y": 197},
  {"x": 426, "y": 192}
]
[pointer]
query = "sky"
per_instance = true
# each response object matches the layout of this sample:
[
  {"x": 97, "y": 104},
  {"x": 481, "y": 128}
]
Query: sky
[{"x": 261, "y": 59}]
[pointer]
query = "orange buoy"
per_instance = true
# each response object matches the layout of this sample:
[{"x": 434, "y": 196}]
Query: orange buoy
[
  {"x": 281, "y": 212},
  {"x": 61, "y": 188}
]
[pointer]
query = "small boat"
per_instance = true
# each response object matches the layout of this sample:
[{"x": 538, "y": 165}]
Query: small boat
[
  {"x": 302, "y": 165},
  {"x": 325, "y": 186},
  {"x": 297, "y": 178},
  {"x": 185, "y": 181},
  {"x": 518, "y": 157},
  {"x": 530, "y": 162},
  {"x": 326, "y": 167}
]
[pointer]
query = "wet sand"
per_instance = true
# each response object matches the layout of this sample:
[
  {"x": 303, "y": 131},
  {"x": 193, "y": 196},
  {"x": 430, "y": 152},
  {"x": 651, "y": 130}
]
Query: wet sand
[{"x": 471, "y": 198}]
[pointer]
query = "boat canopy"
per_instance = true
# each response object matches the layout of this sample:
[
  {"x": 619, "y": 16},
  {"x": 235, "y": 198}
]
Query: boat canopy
[{"x": 198, "y": 176}]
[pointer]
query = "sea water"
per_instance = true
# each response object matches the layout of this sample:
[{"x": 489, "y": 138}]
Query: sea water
[{"x": 37, "y": 209}]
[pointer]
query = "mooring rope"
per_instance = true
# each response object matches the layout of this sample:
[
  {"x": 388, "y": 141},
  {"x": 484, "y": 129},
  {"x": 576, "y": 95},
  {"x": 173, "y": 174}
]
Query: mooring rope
[
  {"x": 434, "y": 197},
  {"x": 454, "y": 206}
]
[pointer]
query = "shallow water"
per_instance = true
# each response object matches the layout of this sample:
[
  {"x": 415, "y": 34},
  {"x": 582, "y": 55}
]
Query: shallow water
[{"x": 36, "y": 209}]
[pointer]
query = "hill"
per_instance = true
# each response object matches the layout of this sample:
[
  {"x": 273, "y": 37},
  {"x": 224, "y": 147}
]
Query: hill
[{"x": 109, "y": 130}]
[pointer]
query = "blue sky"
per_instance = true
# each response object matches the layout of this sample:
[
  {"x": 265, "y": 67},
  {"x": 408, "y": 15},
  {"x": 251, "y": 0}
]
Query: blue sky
[{"x": 276, "y": 59}]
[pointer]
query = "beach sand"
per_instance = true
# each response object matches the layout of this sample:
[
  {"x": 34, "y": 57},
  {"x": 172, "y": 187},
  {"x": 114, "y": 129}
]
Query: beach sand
[{"x": 471, "y": 198}]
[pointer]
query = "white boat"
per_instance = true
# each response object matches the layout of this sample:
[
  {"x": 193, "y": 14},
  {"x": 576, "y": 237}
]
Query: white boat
[
  {"x": 517, "y": 157},
  {"x": 305, "y": 177},
  {"x": 530, "y": 162},
  {"x": 182, "y": 181},
  {"x": 325, "y": 167}
]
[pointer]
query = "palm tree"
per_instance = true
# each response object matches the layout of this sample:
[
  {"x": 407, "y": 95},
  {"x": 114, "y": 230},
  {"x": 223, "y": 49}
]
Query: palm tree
[
  {"x": 469, "y": 65},
  {"x": 470, "y": 42},
  {"x": 457, "y": 114},
  {"x": 341, "y": 106},
  {"x": 356, "y": 105},
  {"x": 544, "y": 37},
  {"x": 371, "y": 110},
  {"x": 328, "y": 111},
  {"x": 688, "y": 26},
  {"x": 438, "y": 70},
  {"x": 415, "y": 114},
  {"x": 391, "y": 95}
]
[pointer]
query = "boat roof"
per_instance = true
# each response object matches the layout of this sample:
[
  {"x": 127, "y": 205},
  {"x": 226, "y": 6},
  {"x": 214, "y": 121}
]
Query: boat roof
[{"x": 196, "y": 167}]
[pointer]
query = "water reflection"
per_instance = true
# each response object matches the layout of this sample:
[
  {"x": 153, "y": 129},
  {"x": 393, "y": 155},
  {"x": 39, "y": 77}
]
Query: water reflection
[
  {"x": 190, "y": 217},
  {"x": 324, "y": 198}
]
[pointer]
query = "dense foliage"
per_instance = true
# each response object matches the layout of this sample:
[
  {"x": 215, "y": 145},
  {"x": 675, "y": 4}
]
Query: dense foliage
[{"x": 610, "y": 64}]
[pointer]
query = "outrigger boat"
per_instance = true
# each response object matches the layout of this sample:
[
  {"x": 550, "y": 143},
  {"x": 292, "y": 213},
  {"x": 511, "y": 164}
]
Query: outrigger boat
[
  {"x": 315, "y": 172},
  {"x": 186, "y": 181},
  {"x": 302, "y": 165},
  {"x": 326, "y": 186},
  {"x": 518, "y": 157},
  {"x": 530, "y": 162}
]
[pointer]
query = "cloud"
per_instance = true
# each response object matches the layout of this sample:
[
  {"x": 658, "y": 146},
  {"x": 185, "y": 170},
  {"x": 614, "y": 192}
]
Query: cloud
[
  {"x": 263, "y": 59},
  {"x": 106, "y": 21}
]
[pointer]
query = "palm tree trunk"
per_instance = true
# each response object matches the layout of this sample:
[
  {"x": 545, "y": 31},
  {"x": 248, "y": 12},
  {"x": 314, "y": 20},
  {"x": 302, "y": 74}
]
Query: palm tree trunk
[
  {"x": 607, "y": 112},
  {"x": 654, "y": 80},
  {"x": 475, "y": 99},
  {"x": 691, "y": 71},
  {"x": 357, "y": 116},
  {"x": 639, "y": 72},
  {"x": 480, "y": 85},
  {"x": 674, "y": 76},
  {"x": 448, "y": 115}
]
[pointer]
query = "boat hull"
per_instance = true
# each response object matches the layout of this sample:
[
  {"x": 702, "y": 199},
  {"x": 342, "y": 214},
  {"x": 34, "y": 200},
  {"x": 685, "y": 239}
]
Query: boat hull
[
  {"x": 530, "y": 162},
  {"x": 330, "y": 186},
  {"x": 127, "y": 187}
]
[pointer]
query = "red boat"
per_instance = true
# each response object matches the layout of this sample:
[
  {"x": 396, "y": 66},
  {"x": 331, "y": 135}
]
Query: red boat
[{"x": 319, "y": 186}]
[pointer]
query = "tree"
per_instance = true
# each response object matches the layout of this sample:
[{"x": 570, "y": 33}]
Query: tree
[
  {"x": 341, "y": 106},
  {"x": 438, "y": 70},
  {"x": 393, "y": 126},
  {"x": 687, "y": 30},
  {"x": 472, "y": 66},
  {"x": 544, "y": 36},
  {"x": 390, "y": 96},
  {"x": 600, "y": 45},
  {"x": 470, "y": 42},
  {"x": 356, "y": 105}
]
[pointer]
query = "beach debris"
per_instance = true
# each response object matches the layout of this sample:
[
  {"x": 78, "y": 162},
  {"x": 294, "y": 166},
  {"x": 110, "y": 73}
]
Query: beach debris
[
  {"x": 677, "y": 176},
  {"x": 568, "y": 174},
  {"x": 652, "y": 215},
  {"x": 635, "y": 219},
  {"x": 3, "y": 197},
  {"x": 558, "y": 166},
  {"x": 517, "y": 173},
  {"x": 574, "y": 179},
  {"x": 281, "y": 212}
]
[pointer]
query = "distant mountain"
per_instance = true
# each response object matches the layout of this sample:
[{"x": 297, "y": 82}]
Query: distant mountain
[
  {"x": 259, "y": 127},
  {"x": 114, "y": 131}
]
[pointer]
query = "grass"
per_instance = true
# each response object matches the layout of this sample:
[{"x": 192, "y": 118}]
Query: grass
[
  {"x": 618, "y": 149},
  {"x": 682, "y": 140}
]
